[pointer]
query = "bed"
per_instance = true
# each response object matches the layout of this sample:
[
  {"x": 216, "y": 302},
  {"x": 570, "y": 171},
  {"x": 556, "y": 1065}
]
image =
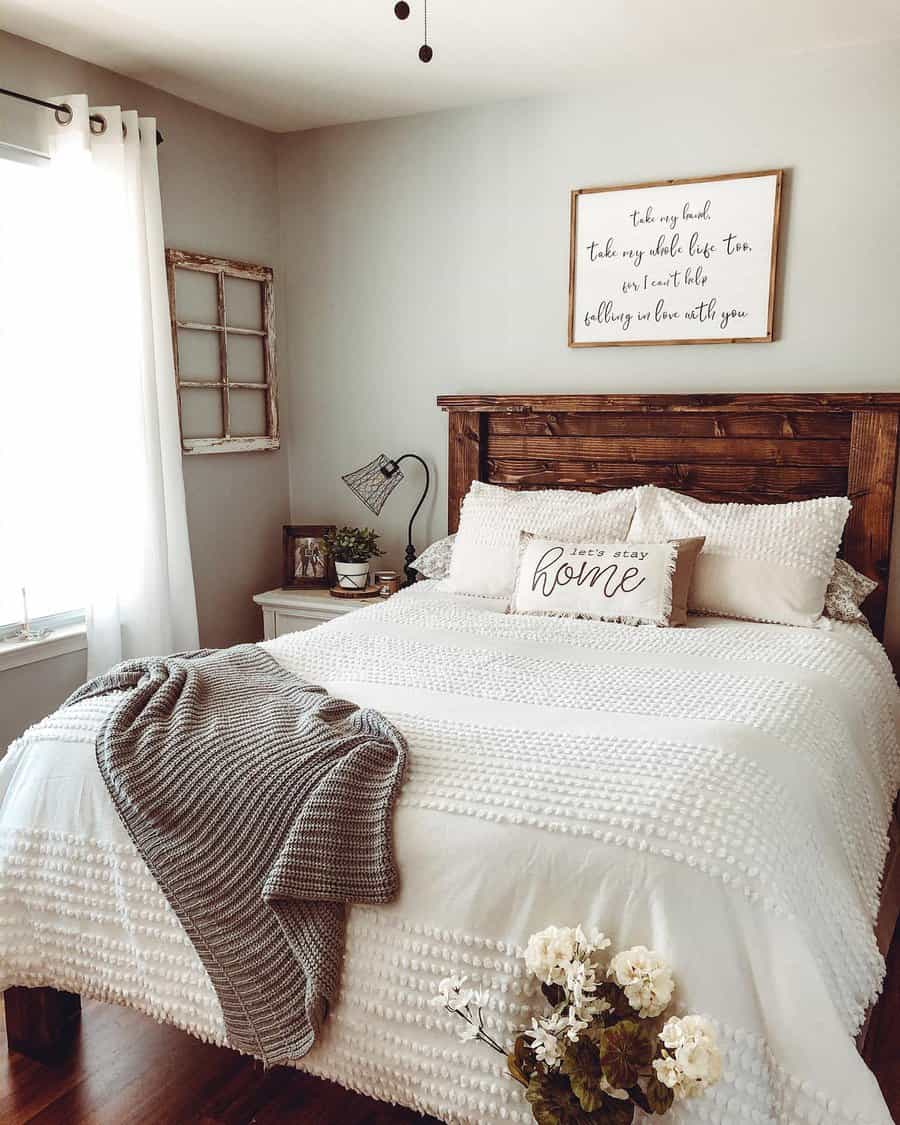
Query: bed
[{"x": 722, "y": 792}]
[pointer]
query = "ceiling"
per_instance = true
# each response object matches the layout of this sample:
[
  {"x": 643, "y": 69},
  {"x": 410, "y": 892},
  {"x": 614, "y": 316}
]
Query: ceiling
[{"x": 296, "y": 64}]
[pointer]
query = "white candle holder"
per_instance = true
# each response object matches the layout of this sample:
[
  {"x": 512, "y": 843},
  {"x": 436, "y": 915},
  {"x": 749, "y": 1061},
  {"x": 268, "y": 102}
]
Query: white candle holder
[{"x": 25, "y": 632}]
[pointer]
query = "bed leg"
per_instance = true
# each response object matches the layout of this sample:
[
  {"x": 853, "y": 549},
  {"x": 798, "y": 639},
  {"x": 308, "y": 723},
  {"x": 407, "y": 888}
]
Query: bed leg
[{"x": 40, "y": 1021}]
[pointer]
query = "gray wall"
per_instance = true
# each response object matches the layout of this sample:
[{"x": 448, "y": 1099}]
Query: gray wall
[
  {"x": 429, "y": 254},
  {"x": 218, "y": 182}
]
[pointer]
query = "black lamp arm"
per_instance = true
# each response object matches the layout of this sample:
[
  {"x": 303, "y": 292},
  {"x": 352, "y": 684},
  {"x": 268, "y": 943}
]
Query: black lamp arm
[{"x": 410, "y": 549}]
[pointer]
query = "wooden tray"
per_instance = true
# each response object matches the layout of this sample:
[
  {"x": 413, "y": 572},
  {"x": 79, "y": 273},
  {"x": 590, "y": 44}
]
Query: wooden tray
[{"x": 340, "y": 592}]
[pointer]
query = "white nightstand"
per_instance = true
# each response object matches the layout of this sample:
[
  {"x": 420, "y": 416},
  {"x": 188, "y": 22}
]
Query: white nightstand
[{"x": 288, "y": 611}]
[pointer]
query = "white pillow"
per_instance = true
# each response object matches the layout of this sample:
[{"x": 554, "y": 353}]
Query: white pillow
[
  {"x": 762, "y": 562},
  {"x": 631, "y": 583},
  {"x": 485, "y": 553}
]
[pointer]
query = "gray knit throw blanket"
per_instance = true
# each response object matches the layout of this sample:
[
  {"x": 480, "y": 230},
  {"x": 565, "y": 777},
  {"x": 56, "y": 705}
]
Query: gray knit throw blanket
[{"x": 262, "y": 806}]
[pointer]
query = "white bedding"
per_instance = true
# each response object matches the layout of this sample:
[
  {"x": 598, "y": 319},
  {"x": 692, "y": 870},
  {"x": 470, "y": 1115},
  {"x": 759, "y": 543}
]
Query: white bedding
[{"x": 720, "y": 793}]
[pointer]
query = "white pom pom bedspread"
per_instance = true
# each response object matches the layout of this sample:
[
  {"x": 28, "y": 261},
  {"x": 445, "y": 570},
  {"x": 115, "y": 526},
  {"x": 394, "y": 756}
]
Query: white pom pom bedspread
[{"x": 719, "y": 793}]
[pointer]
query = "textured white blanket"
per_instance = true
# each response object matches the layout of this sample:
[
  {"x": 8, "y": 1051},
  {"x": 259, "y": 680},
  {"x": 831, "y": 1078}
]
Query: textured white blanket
[{"x": 720, "y": 793}]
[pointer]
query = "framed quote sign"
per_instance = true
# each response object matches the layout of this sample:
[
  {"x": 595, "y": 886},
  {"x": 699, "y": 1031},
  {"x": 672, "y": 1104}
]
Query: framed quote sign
[{"x": 674, "y": 262}]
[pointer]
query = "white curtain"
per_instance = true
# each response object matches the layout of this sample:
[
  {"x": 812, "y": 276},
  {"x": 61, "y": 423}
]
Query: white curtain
[{"x": 104, "y": 363}]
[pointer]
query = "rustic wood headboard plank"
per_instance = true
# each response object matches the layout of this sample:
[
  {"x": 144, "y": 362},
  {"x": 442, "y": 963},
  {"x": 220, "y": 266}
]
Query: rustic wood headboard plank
[
  {"x": 765, "y": 448},
  {"x": 871, "y": 482},
  {"x": 691, "y": 404},
  {"x": 737, "y": 451},
  {"x": 585, "y": 424}
]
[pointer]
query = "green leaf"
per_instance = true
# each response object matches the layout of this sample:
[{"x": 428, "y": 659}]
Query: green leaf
[
  {"x": 614, "y": 1111},
  {"x": 627, "y": 1047},
  {"x": 521, "y": 1061},
  {"x": 639, "y": 1098},
  {"x": 553, "y": 1103},
  {"x": 554, "y": 994},
  {"x": 581, "y": 1064},
  {"x": 659, "y": 1096},
  {"x": 615, "y": 996},
  {"x": 352, "y": 544}
]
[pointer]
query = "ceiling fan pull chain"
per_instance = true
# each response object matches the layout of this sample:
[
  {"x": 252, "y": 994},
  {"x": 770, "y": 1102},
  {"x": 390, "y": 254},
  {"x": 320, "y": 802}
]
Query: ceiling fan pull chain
[{"x": 425, "y": 52}]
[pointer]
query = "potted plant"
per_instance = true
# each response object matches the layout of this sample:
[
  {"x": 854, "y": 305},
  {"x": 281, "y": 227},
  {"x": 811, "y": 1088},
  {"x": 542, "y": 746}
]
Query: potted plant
[{"x": 351, "y": 548}]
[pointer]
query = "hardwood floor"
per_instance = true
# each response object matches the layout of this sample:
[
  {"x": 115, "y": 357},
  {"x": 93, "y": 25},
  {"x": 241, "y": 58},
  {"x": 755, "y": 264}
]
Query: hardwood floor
[{"x": 124, "y": 1069}]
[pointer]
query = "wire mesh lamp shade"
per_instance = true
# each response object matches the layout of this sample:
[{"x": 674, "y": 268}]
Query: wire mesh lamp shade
[{"x": 373, "y": 483}]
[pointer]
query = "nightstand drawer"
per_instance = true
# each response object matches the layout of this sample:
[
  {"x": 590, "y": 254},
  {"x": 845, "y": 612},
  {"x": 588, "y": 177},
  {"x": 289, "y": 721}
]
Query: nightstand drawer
[
  {"x": 292, "y": 611},
  {"x": 294, "y": 622}
]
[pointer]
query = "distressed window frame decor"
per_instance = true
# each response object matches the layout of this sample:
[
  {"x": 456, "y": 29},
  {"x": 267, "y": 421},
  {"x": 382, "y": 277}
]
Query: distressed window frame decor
[
  {"x": 221, "y": 269},
  {"x": 618, "y": 297}
]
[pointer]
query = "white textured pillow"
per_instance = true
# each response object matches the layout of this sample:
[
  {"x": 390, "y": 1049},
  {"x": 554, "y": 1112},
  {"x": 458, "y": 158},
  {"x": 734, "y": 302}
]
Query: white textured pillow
[
  {"x": 631, "y": 583},
  {"x": 485, "y": 553},
  {"x": 762, "y": 562}
]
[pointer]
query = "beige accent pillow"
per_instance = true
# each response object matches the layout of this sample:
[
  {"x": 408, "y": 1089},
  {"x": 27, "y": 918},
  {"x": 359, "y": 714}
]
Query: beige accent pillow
[
  {"x": 688, "y": 553},
  {"x": 762, "y": 562},
  {"x": 846, "y": 592},
  {"x": 486, "y": 549},
  {"x": 634, "y": 583}
]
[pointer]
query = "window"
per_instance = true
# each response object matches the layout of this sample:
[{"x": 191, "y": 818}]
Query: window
[
  {"x": 224, "y": 344},
  {"x": 40, "y": 388}
]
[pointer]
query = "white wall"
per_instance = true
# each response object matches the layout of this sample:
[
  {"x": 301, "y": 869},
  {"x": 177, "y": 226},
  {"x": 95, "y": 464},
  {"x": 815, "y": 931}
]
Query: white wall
[
  {"x": 218, "y": 182},
  {"x": 429, "y": 255}
]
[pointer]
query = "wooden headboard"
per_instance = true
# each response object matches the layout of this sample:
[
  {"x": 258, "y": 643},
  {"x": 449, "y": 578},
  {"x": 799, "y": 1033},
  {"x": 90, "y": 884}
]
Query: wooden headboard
[{"x": 759, "y": 448}]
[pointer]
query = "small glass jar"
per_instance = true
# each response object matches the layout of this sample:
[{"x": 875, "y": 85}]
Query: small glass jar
[{"x": 388, "y": 582}]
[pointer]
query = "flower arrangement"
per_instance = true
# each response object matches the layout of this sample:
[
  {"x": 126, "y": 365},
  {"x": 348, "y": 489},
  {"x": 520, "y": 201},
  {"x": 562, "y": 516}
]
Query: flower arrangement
[
  {"x": 352, "y": 544},
  {"x": 606, "y": 1046}
]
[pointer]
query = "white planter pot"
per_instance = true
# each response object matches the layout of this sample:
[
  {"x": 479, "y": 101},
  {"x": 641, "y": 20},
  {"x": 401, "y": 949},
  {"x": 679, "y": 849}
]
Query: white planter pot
[{"x": 352, "y": 576}]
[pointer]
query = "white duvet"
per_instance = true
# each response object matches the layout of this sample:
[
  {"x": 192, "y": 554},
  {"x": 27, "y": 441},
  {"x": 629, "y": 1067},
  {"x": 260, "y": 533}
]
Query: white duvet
[{"x": 720, "y": 793}]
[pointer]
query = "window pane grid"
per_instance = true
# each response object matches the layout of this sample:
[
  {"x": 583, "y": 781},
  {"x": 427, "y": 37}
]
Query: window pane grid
[{"x": 235, "y": 363}]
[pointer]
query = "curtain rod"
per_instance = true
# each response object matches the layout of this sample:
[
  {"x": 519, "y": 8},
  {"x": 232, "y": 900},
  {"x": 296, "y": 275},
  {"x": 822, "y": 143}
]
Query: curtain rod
[{"x": 95, "y": 117}]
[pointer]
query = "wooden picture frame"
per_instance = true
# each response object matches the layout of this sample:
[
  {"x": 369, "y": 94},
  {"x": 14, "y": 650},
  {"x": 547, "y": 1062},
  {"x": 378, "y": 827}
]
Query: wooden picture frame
[
  {"x": 225, "y": 384},
  {"x": 295, "y": 537},
  {"x": 632, "y": 292}
]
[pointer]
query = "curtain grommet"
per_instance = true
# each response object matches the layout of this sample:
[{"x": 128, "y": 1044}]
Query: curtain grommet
[
  {"x": 64, "y": 114},
  {"x": 98, "y": 124}
]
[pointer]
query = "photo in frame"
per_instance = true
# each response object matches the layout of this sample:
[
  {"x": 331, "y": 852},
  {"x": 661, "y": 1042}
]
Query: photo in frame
[
  {"x": 675, "y": 261},
  {"x": 306, "y": 562}
]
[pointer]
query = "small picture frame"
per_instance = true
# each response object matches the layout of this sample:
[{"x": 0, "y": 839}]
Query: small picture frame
[{"x": 306, "y": 563}]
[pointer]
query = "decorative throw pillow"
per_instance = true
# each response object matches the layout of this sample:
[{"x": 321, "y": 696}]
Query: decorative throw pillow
[
  {"x": 434, "y": 561},
  {"x": 846, "y": 592},
  {"x": 761, "y": 562},
  {"x": 485, "y": 554},
  {"x": 632, "y": 583}
]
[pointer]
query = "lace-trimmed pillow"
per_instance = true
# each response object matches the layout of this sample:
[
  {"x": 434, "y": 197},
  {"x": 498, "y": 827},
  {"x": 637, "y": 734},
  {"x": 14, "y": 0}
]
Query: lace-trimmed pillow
[
  {"x": 846, "y": 592},
  {"x": 485, "y": 554},
  {"x": 434, "y": 561},
  {"x": 761, "y": 562}
]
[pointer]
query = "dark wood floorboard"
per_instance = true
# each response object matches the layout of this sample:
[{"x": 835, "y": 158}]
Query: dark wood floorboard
[{"x": 125, "y": 1069}]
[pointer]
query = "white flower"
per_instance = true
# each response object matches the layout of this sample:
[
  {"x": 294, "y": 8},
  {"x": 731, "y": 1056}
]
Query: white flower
[
  {"x": 574, "y": 1024},
  {"x": 595, "y": 941},
  {"x": 694, "y": 1062},
  {"x": 593, "y": 1006},
  {"x": 667, "y": 1071},
  {"x": 544, "y": 1041},
  {"x": 452, "y": 994},
  {"x": 548, "y": 951},
  {"x": 580, "y": 979},
  {"x": 645, "y": 977}
]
